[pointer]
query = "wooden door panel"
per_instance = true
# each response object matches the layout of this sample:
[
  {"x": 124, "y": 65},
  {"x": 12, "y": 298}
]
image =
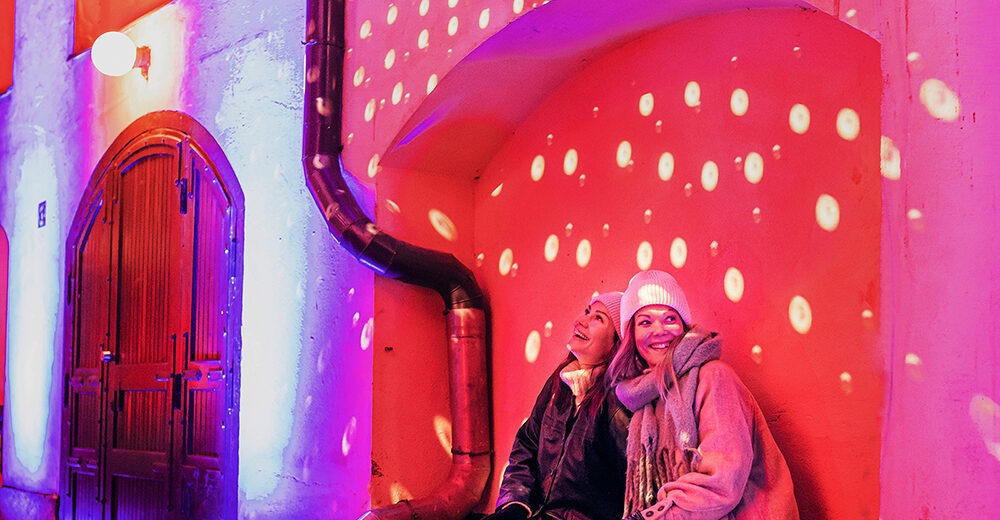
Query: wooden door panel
[
  {"x": 153, "y": 274},
  {"x": 136, "y": 498},
  {"x": 84, "y": 503},
  {"x": 149, "y": 324}
]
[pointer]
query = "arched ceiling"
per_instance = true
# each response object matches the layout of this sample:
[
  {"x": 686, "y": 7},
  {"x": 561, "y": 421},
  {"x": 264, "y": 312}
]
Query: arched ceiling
[{"x": 483, "y": 99}]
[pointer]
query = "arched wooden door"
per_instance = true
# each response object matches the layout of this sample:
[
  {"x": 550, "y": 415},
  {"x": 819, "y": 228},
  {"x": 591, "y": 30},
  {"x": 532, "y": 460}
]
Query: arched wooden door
[{"x": 151, "y": 371}]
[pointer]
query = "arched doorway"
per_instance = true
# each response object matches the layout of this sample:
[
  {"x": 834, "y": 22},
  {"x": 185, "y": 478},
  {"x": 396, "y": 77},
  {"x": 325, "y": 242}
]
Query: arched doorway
[{"x": 154, "y": 265}]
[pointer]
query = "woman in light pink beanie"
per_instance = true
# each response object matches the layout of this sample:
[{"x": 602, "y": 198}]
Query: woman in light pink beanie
[
  {"x": 568, "y": 459},
  {"x": 698, "y": 445}
]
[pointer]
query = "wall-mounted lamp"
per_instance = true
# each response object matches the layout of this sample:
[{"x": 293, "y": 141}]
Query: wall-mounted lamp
[{"x": 114, "y": 54}]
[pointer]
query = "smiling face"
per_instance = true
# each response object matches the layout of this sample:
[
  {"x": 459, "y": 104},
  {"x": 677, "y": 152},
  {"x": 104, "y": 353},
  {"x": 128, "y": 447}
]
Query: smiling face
[
  {"x": 593, "y": 335},
  {"x": 655, "y": 327}
]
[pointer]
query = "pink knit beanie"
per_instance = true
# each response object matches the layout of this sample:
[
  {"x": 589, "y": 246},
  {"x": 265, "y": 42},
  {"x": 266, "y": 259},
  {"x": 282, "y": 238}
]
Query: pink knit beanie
[
  {"x": 650, "y": 288},
  {"x": 611, "y": 300}
]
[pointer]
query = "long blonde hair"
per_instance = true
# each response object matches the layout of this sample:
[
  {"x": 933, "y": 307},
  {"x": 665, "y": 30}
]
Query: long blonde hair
[{"x": 628, "y": 363}]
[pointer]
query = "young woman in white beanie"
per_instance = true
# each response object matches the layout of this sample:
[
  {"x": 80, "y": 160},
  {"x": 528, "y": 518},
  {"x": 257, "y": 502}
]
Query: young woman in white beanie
[
  {"x": 568, "y": 459},
  {"x": 698, "y": 445}
]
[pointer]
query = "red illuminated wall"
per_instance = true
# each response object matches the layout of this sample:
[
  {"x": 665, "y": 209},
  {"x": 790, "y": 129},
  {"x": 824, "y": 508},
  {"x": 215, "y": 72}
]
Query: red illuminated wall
[
  {"x": 412, "y": 457},
  {"x": 821, "y": 388},
  {"x": 745, "y": 243},
  {"x": 95, "y": 17}
]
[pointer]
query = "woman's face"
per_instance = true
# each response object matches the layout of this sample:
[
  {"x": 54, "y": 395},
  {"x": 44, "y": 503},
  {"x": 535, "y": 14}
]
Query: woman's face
[
  {"x": 655, "y": 327},
  {"x": 593, "y": 335}
]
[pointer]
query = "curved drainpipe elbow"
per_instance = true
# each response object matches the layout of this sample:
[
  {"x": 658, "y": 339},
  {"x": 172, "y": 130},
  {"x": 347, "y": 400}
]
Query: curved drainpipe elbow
[{"x": 464, "y": 303}]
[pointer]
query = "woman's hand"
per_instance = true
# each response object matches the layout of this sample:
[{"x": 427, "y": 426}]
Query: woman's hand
[{"x": 510, "y": 512}]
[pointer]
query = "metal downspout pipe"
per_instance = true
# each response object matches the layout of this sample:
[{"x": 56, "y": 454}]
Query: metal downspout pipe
[{"x": 464, "y": 304}]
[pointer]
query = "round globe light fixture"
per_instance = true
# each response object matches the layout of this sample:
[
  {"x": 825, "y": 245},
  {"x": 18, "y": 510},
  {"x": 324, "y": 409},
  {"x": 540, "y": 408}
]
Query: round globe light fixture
[{"x": 114, "y": 54}]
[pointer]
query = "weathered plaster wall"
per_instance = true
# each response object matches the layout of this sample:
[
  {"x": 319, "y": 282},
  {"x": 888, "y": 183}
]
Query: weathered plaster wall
[{"x": 236, "y": 67}]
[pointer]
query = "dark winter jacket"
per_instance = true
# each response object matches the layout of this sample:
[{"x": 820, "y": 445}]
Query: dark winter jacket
[{"x": 567, "y": 465}]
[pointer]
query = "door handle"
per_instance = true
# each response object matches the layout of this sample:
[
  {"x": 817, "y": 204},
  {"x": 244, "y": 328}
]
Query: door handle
[
  {"x": 161, "y": 378},
  {"x": 176, "y": 392}
]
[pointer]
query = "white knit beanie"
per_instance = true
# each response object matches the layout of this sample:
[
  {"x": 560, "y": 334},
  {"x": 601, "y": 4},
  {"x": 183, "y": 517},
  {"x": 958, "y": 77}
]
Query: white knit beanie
[
  {"x": 611, "y": 300},
  {"x": 650, "y": 288}
]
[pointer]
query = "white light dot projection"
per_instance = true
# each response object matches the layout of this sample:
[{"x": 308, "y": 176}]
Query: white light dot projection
[
  {"x": 644, "y": 256},
  {"x": 827, "y": 212},
  {"x": 846, "y": 382},
  {"x": 480, "y": 258},
  {"x": 370, "y": 110},
  {"x": 678, "y": 252},
  {"x": 606, "y": 230},
  {"x": 547, "y": 330},
  {"x": 484, "y": 18},
  {"x": 624, "y": 155},
  {"x": 940, "y": 101},
  {"x": 647, "y": 216},
  {"x": 739, "y": 102},
  {"x": 442, "y": 224},
  {"x": 985, "y": 414},
  {"x": 537, "y": 168},
  {"x": 398, "y": 492},
  {"x": 453, "y": 26},
  {"x": 390, "y": 59},
  {"x": 753, "y": 168},
  {"x": 532, "y": 346},
  {"x": 442, "y": 427},
  {"x": 348, "y": 438},
  {"x": 890, "y": 161},
  {"x": 914, "y": 367},
  {"x": 424, "y": 6},
  {"x": 506, "y": 261},
  {"x": 518, "y": 6},
  {"x": 709, "y": 176},
  {"x": 583, "y": 252},
  {"x": 848, "y": 124},
  {"x": 733, "y": 284},
  {"x": 569, "y": 229},
  {"x": 665, "y": 166},
  {"x": 570, "y": 161},
  {"x": 432, "y": 82},
  {"x": 798, "y": 118},
  {"x": 757, "y": 354},
  {"x": 390, "y": 16},
  {"x": 646, "y": 104},
  {"x": 366, "y": 29},
  {"x": 359, "y": 76},
  {"x": 392, "y": 206},
  {"x": 551, "y": 248},
  {"x": 496, "y": 191},
  {"x": 692, "y": 94},
  {"x": 424, "y": 41},
  {"x": 367, "y": 334},
  {"x": 800, "y": 314},
  {"x": 397, "y": 93}
]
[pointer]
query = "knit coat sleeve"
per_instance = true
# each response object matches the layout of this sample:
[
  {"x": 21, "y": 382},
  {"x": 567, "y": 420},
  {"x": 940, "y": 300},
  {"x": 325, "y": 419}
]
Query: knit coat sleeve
[
  {"x": 520, "y": 482},
  {"x": 725, "y": 423}
]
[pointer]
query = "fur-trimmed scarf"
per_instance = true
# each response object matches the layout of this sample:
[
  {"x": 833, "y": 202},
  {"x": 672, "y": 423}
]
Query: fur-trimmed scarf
[{"x": 663, "y": 433}]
